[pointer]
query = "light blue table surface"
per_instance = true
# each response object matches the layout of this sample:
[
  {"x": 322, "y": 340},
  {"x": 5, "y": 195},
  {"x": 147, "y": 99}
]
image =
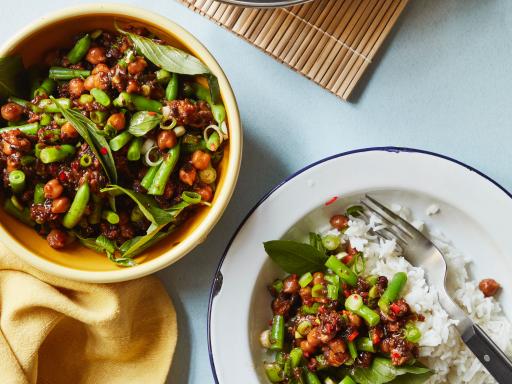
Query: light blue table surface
[{"x": 442, "y": 82}]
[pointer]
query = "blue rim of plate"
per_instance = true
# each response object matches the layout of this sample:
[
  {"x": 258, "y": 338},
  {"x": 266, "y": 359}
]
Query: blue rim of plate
[{"x": 214, "y": 290}]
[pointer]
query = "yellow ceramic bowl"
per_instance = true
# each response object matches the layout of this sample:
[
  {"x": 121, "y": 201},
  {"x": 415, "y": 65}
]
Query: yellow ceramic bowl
[{"x": 77, "y": 262}]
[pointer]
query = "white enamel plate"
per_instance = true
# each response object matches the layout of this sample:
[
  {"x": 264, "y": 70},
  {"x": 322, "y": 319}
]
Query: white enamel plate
[{"x": 475, "y": 214}]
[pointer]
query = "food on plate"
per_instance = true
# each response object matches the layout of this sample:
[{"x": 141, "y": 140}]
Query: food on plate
[
  {"x": 117, "y": 142},
  {"x": 352, "y": 310}
]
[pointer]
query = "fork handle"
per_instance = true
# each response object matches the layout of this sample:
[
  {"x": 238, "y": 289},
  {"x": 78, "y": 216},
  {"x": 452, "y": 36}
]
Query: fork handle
[{"x": 489, "y": 354}]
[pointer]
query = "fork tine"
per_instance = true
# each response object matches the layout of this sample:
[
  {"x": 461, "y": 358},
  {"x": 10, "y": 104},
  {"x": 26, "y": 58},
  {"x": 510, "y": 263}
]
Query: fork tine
[
  {"x": 393, "y": 218},
  {"x": 387, "y": 233},
  {"x": 391, "y": 226}
]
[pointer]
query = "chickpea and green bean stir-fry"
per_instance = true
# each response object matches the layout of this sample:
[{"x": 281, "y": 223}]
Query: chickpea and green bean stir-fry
[
  {"x": 332, "y": 322},
  {"x": 115, "y": 145}
]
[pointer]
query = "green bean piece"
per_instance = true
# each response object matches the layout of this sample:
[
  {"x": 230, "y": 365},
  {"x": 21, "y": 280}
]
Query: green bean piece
[
  {"x": 311, "y": 378},
  {"x": 134, "y": 149},
  {"x": 98, "y": 117},
  {"x": 391, "y": 293},
  {"x": 295, "y": 357},
  {"x": 28, "y": 129},
  {"x": 46, "y": 88},
  {"x": 137, "y": 102},
  {"x": 148, "y": 178},
  {"x": 305, "y": 279},
  {"x": 163, "y": 76},
  {"x": 136, "y": 214},
  {"x": 110, "y": 216},
  {"x": 365, "y": 344},
  {"x": 22, "y": 215},
  {"x": 354, "y": 303},
  {"x": 164, "y": 171},
  {"x": 219, "y": 113},
  {"x": 347, "y": 380},
  {"x": 56, "y": 153},
  {"x": 318, "y": 290},
  {"x": 100, "y": 96},
  {"x": 278, "y": 285},
  {"x": 412, "y": 333},
  {"x": 85, "y": 99},
  {"x": 39, "y": 194},
  {"x": 274, "y": 373},
  {"x": 17, "y": 181},
  {"x": 171, "y": 91},
  {"x": 60, "y": 73},
  {"x": 79, "y": 50},
  {"x": 372, "y": 279},
  {"x": 49, "y": 106},
  {"x": 97, "y": 204},
  {"x": 304, "y": 327},
  {"x": 340, "y": 269},
  {"x": 59, "y": 119},
  {"x": 52, "y": 135},
  {"x": 352, "y": 349},
  {"x": 332, "y": 291},
  {"x": 213, "y": 142},
  {"x": 331, "y": 242},
  {"x": 37, "y": 150},
  {"x": 24, "y": 103},
  {"x": 120, "y": 141},
  {"x": 310, "y": 309},
  {"x": 277, "y": 333},
  {"x": 27, "y": 160},
  {"x": 192, "y": 147},
  {"x": 45, "y": 119},
  {"x": 77, "y": 209}
]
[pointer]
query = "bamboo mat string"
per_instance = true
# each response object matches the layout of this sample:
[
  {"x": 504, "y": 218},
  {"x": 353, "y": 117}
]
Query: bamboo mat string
[{"x": 331, "y": 42}]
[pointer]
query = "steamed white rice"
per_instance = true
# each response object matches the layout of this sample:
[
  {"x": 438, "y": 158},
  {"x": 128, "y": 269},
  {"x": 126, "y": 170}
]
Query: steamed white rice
[{"x": 441, "y": 348}]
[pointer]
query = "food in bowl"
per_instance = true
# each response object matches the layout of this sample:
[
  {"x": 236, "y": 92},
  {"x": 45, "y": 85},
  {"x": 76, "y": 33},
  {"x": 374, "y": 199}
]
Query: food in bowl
[
  {"x": 118, "y": 143},
  {"x": 352, "y": 310}
]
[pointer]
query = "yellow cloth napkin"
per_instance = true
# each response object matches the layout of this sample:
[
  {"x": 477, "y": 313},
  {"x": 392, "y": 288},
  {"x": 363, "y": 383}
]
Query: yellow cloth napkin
[{"x": 57, "y": 331}]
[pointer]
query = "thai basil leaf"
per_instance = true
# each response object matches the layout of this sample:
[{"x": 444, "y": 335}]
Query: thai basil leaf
[
  {"x": 147, "y": 205},
  {"x": 104, "y": 245},
  {"x": 295, "y": 257},
  {"x": 315, "y": 240},
  {"x": 122, "y": 261},
  {"x": 11, "y": 68},
  {"x": 90, "y": 133},
  {"x": 142, "y": 122},
  {"x": 410, "y": 378},
  {"x": 108, "y": 245},
  {"x": 383, "y": 371},
  {"x": 90, "y": 242},
  {"x": 174, "y": 60},
  {"x": 140, "y": 243},
  {"x": 145, "y": 243}
]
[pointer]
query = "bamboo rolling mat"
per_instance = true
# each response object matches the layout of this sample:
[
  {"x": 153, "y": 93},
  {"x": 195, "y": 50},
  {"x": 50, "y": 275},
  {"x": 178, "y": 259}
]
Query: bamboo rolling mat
[{"x": 331, "y": 42}]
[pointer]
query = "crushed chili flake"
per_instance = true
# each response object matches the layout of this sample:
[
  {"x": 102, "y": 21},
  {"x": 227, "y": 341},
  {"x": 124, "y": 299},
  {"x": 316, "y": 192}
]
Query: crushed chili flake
[
  {"x": 151, "y": 113},
  {"x": 395, "y": 308},
  {"x": 331, "y": 201},
  {"x": 353, "y": 336},
  {"x": 103, "y": 151}
]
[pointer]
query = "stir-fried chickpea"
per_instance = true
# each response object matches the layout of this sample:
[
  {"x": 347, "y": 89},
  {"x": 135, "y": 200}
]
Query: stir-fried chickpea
[
  {"x": 200, "y": 160},
  {"x": 166, "y": 140},
  {"x": 188, "y": 174},
  {"x": 11, "y": 111},
  {"x": 96, "y": 55},
  {"x": 117, "y": 120},
  {"x": 67, "y": 131},
  {"x": 53, "y": 189},
  {"x": 76, "y": 87}
]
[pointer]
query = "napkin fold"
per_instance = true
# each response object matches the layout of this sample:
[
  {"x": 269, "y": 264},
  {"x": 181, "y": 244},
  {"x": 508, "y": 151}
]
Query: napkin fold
[{"x": 55, "y": 331}]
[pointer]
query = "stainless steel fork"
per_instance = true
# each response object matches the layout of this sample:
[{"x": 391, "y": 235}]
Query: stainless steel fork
[{"x": 421, "y": 252}]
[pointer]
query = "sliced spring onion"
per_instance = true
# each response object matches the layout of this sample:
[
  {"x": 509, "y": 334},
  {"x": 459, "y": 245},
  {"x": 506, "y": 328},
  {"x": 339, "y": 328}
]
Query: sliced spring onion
[
  {"x": 147, "y": 145},
  {"x": 213, "y": 127},
  {"x": 168, "y": 123},
  {"x": 150, "y": 162},
  {"x": 224, "y": 130},
  {"x": 180, "y": 130}
]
